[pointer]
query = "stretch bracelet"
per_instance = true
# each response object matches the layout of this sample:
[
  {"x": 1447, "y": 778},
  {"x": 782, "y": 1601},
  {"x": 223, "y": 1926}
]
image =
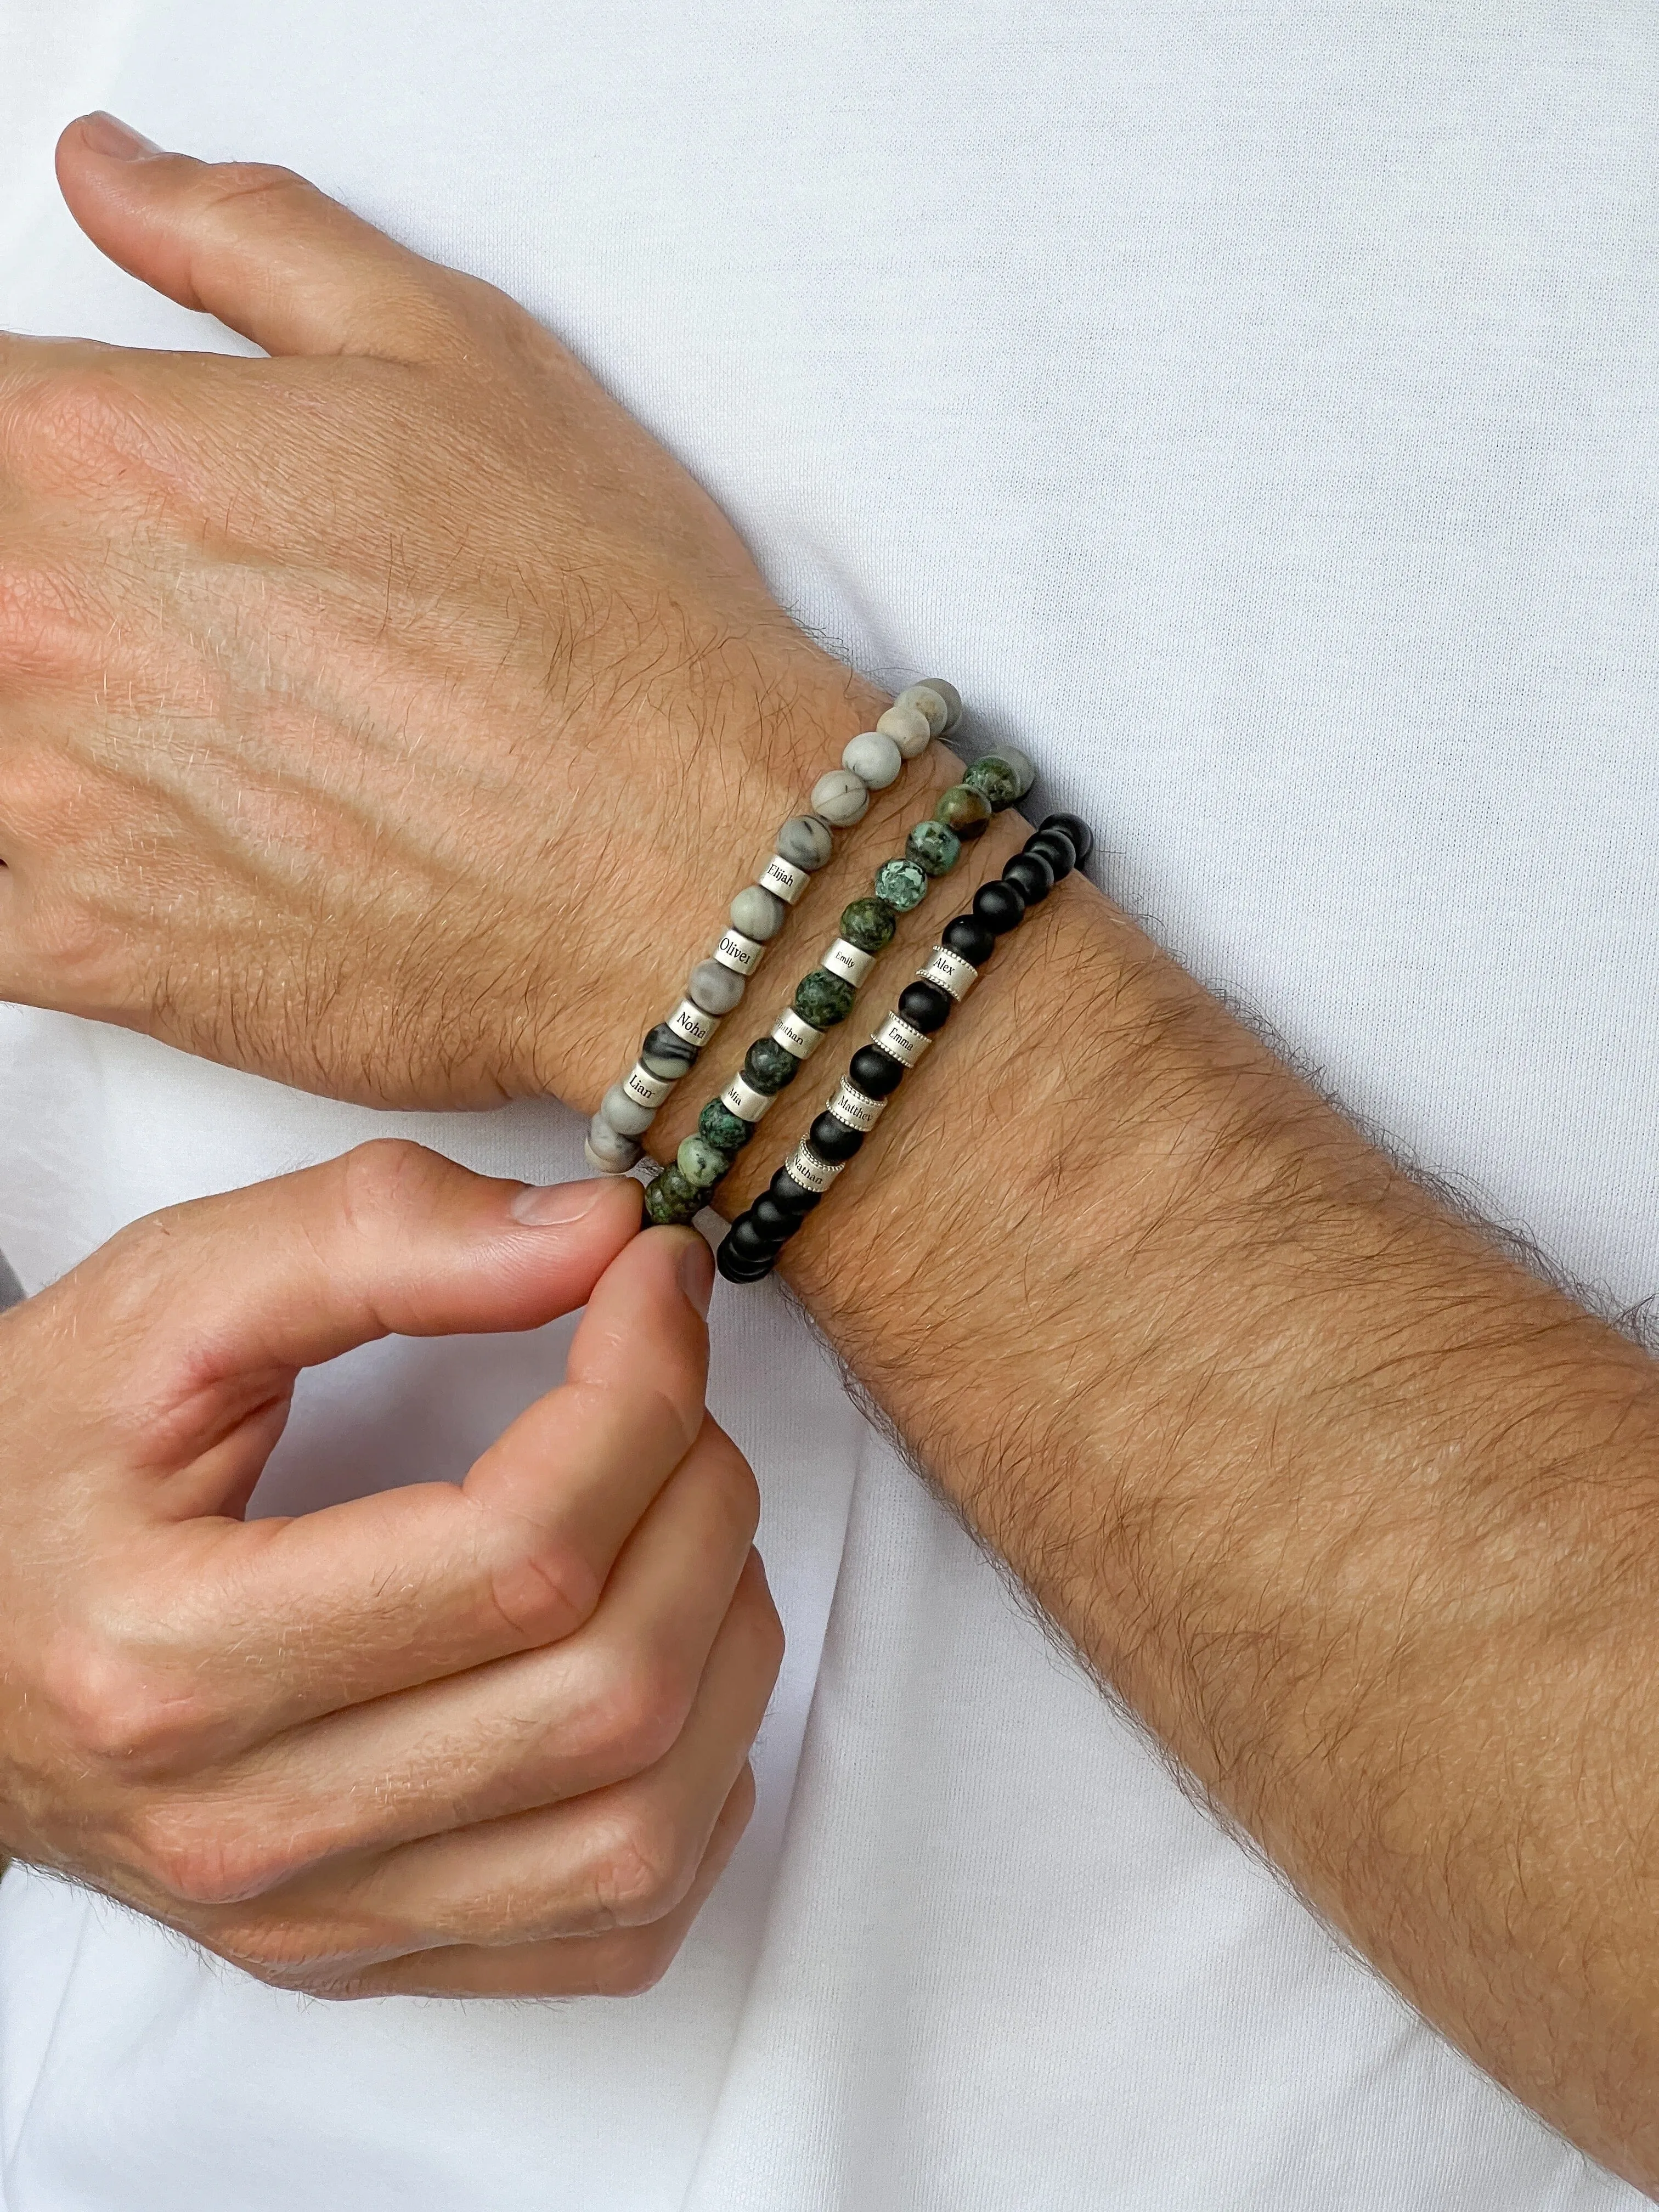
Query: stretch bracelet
[
  {"x": 824, "y": 996},
  {"x": 756, "y": 1238},
  {"x": 716, "y": 986}
]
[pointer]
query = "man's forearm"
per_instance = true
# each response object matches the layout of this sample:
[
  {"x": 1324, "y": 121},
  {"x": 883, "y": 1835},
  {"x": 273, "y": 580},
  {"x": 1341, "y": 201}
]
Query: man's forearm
[{"x": 1359, "y": 1516}]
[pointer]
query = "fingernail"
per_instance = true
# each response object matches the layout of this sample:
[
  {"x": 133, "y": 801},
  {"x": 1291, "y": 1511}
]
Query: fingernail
[
  {"x": 107, "y": 134},
  {"x": 549, "y": 1206},
  {"x": 697, "y": 1274}
]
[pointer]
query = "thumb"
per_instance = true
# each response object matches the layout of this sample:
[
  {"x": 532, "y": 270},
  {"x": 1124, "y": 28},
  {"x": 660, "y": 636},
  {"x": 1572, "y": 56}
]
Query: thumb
[{"x": 256, "y": 245}]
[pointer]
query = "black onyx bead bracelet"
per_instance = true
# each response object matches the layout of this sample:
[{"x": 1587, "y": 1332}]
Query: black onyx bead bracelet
[{"x": 756, "y": 1239}]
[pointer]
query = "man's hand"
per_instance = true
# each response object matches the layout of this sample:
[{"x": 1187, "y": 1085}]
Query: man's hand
[
  {"x": 392, "y": 717},
  {"x": 490, "y": 1739}
]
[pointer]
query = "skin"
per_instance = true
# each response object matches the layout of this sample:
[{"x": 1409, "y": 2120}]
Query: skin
[
  {"x": 1355, "y": 1513},
  {"x": 487, "y": 1738}
]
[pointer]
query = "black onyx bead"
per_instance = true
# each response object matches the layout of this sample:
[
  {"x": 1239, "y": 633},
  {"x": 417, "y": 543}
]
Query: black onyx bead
[
  {"x": 773, "y": 1220},
  {"x": 751, "y": 1242},
  {"x": 877, "y": 1073},
  {"x": 1030, "y": 875},
  {"x": 1000, "y": 907},
  {"x": 1056, "y": 848},
  {"x": 925, "y": 1006},
  {"x": 794, "y": 1198},
  {"x": 1074, "y": 827},
  {"x": 769, "y": 1065},
  {"x": 736, "y": 1269},
  {"x": 968, "y": 939},
  {"x": 832, "y": 1139}
]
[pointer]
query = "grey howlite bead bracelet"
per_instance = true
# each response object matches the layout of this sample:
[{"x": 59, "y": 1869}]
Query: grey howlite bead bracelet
[
  {"x": 909, "y": 728},
  {"x": 625, "y": 1115},
  {"x": 805, "y": 842},
  {"x": 715, "y": 989},
  {"x": 874, "y": 759},
  {"x": 842, "y": 798},
  {"x": 607, "y": 1149},
  {"x": 929, "y": 697},
  {"x": 757, "y": 914}
]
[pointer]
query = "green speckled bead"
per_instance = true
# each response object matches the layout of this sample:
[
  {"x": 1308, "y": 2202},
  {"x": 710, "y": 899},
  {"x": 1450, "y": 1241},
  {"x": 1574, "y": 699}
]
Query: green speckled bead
[
  {"x": 769, "y": 1065},
  {"x": 934, "y": 849},
  {"x": 670, "y": 1200},
  {"x": 701, "y": 1163},
  {"x": 994, "y": 780},
  {"x": 869, "y": 923},
  {"x": 823, "y": 998},
  {"x": 726, "y": 1130},
  {"x": 964, "y": 810},
  {"x": 902, "y": 884}
]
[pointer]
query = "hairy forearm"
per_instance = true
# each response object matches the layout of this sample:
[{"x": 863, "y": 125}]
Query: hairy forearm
[{"x": 1359, "y": 1516}]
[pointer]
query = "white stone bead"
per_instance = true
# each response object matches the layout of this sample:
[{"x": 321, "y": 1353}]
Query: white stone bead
[
  {"x": 627, "y": 1116},
  {"x": 805, "y": 1167},
  {"x": 951, "y": 697},
  {"x": 645, "y": 1089},
  {"x": 909, "y": 728},
  {"x": 950, "y": 971},
  {"x": 874, "y": 759},
  {"x": 606, "y": 1150},
  {"x": 842, "y": 798},
  {"x": 805, "y": 842},
  {"x": 689, "y": 1021},
  {"x": 740, "y": 1097},
  {"x": 850, "y": 962},
  {"x": 796, "y": 1035},
  {"x": 741, "y": 954},
  {"x": 757, "y": 914},
  {"x": 900, "y": 1041},
  {"x": 855, "y": 1106},
  {"x": 783, "y": 879},
  {"x": 931, "y": 702},
  {"x": 1023, "y": 766}
]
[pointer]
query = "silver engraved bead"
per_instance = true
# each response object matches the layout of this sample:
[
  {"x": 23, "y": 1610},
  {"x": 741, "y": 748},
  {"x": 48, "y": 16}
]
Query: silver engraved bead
[
  {"x": 796, "y": 1035},
  {"x": 645, "y": 1089},
  {"x": 741, "y": 1099},
  {"x": 950, "y": 971},
  {"x": 689, "y": 1021},
  {"x": 805, "y": 1167},
  {"x": 900, "y": 1041},
  {"x": 783, "y": 879},
  {"x": 741, "y": 954},
  {"x": 850, "y": 962},
  {"x": 853, "y": 1106}
]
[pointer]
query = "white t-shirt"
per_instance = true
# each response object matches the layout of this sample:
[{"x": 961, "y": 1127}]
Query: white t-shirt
[{"x": 1252, "y": 408}]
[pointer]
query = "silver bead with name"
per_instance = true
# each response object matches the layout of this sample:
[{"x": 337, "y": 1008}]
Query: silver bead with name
[
  {"x": 795, "y": 1035},
  {"x": 850, "y": 962},
  {"x": 950, "y": 971},
  {"x": 805, "y": 1167},
  {"x": 900, "y": 1041}
]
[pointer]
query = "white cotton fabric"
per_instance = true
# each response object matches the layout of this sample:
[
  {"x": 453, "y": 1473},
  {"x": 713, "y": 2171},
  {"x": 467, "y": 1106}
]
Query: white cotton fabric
[{"x": 1252, "y": 407}]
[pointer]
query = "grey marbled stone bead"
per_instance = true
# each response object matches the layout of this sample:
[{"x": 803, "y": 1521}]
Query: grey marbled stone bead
[
  {"x": 717, "y": 990},
  {"x": 757, "y": 914},
  {"x": 701, "y": 1163},
  {"x": 874, "y": 759},
  {"x": 841, "y": 798},
  {"x": 1021, "y": 763},
  {"x": 951, "y": 697},
  {"x": 902, "y": 884},
  {"x": 626, "y": 1116},
  {"x": 934, "y": 849},
  {"x": 667, "y": 1054},
  {"x": 909, "y": 728},
  {"x": 806, "y": 841},
  {"x": 931, "y": 700},
  {"x": 608, "y": 1149},
  {"x": 995, "y": 780}
]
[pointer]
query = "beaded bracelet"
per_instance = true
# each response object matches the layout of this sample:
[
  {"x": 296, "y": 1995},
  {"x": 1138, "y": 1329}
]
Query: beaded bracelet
[
  {"x": 871, "y": 762},
  {"x": 756, "y": 1238},
  {"x": 824, "y": 996}
]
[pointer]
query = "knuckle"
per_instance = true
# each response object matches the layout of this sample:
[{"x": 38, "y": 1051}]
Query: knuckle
[
  {"x": 386, "y": 1179},
  {"x": 79, "y": 428},
  {"x": 115, "y": 1709},
  {"x": 261, "y": 189},
  {"x": 201, "y": 1858},
  {"x": 546, "y": 1591},
  {"x": 43, "y": 632},
  {"x": 638, "y": 1872},
  {"x": 634, "y": 1714}
]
